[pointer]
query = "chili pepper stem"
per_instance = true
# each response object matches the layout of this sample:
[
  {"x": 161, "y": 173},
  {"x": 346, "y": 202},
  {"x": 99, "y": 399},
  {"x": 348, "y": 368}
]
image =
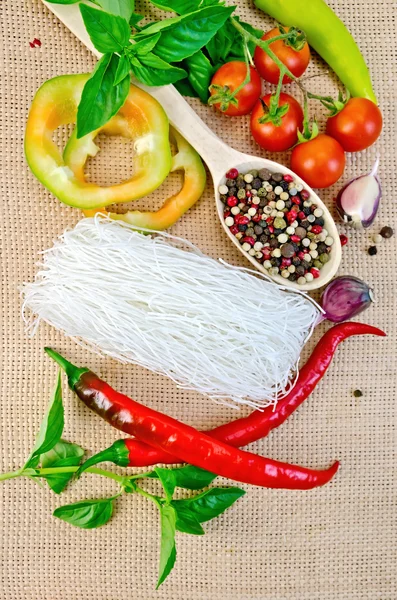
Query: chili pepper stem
[{"x": 73, "y": 373}]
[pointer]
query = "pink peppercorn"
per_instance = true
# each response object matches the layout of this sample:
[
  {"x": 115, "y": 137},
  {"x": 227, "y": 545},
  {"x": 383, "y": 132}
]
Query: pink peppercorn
[
  {"x": 232, "y": 174},
  {"x": 316, "y": 229},
  {"x": 234, "y": 229},
  {"x": 250, "y": 240},
  {"x": 288, "y": 178},
  {"x": 343, "y": 239},
  {"x": 305, "y": 195},
  {"x": 286, "y": 262},
  {"x": 232, "y": 201},
  {"x": 295, "y": 238},
  {"x": 315, "y": 272}
]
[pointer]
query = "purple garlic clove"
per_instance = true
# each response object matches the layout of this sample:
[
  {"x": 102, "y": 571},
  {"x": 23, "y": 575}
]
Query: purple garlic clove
[
  {"x": 358, "y": 201},
  {"x": 345, "y": 297}
]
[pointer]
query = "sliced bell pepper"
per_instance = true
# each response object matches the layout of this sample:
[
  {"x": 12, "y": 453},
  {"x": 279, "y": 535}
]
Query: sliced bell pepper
[
  {"x": 141, "y": 118},
  {"x": 174, "y": 207}
]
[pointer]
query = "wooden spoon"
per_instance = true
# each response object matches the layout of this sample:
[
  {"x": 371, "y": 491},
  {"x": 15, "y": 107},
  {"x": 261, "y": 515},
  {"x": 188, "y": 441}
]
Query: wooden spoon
[{"x": 218, "y": 156}]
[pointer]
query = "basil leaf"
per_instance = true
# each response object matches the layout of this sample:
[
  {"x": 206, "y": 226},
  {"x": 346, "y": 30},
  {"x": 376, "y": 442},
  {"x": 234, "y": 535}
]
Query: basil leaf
[
  {"x": 181, "y": 7},
  {"x": 199, "y": 71},
  {"x": 135, "y": 19},
  {"x": 186, "y": 520},
  {"x": 123, "y": 69},
  {"x": 51, "y": 427},
  {"x": 101, "y": 99},
  {"x": 219, "y": 46},
  {"x": 152, "y": 70},
  {"x": 168, "y": 481},
  {"x": 146, "y": 45},
  {"x": 190, "y": 33},
  {"x": 108, "y": 33},
  {"x": 192, "y": 478},
  {"x": 87, "y": 514},
  {"x": 212, "y": 503},
  {"x": 236, "y": 51},
  {"x": 183, "y": 86},
  {"x": 122, "y": 8},
  {"x": 167, "y": 545},
  {"x": 63, "y": 454}
]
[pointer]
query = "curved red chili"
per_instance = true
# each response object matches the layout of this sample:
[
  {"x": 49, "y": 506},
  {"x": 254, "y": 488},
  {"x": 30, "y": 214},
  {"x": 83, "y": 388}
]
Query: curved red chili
[
  {"x": 260, "y": 423},
  {"x": 185, "y": 442}
]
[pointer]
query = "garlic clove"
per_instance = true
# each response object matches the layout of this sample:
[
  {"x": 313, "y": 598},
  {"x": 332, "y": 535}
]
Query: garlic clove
[
  {"x": 358, "y": 201},
  {"x": 344, "y": 297}
]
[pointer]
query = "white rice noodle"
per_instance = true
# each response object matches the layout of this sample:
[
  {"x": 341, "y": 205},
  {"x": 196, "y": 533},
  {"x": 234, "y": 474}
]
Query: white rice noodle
[{"x": 159, "y": 302}]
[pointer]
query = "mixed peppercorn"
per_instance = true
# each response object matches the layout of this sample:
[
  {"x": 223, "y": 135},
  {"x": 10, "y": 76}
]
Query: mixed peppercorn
[{"x": 277, "y": 223}]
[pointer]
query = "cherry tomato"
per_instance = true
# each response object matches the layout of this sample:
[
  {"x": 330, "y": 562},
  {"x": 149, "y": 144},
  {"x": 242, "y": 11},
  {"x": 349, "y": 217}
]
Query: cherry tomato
[
  {"x": 357, "y": 126},
  {"x": 270, "y": 136},
  {"x": 320, "y": 162},
  {"x": 231, "y": 75},
  {"x": 295, "y": 60}
]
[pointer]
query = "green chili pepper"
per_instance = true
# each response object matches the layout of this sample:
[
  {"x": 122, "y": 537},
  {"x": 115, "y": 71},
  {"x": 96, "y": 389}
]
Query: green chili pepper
[{"x": 326, "y": 33}]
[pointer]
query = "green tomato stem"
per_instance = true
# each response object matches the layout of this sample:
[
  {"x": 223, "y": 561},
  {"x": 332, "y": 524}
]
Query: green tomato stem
[{"x": 265, "y": 45}]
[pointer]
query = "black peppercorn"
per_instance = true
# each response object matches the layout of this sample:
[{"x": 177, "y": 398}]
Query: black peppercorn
[
  {"x": 386, "y": 232},
  {"x": 257, "y": 183},
  {"x": 372, "y": 250},
  {"x": 277, "y": 177}
]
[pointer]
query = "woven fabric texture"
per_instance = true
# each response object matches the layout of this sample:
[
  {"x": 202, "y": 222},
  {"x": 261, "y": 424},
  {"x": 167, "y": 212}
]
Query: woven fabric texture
[{"x": 334, "y": 543}]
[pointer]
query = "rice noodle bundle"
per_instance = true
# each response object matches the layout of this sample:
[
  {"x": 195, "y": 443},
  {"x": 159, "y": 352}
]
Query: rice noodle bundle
[{"x": 159, "y": 302}]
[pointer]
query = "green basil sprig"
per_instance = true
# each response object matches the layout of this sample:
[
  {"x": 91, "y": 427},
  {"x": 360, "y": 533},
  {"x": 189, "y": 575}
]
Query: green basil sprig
[{"x": 57, "y": 461}]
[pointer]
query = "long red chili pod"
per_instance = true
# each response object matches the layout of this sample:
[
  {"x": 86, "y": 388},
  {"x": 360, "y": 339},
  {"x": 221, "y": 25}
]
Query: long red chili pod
[
  {"x": 259, "y": 424},
  {"x": 185, "y": 442}
]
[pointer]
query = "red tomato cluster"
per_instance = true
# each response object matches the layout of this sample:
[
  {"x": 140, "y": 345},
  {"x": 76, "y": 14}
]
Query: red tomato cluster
[{"x": 319, "y": 161}]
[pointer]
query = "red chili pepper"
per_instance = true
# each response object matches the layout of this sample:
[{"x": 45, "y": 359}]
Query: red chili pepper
[
  {"x": 185, "y": 442},
  {"x": 260, "y": 423}
]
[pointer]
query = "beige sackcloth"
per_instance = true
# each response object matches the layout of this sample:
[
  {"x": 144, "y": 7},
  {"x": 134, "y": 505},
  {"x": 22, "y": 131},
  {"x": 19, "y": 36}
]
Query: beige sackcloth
[{"x": 334, "y": 543}]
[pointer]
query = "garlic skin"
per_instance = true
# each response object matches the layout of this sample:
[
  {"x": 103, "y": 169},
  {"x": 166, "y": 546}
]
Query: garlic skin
[
  {"x": 358, "y": 201},
  {"x": 345, "y": 297}
]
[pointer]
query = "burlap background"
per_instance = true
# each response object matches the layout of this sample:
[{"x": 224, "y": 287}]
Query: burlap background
[{"x": 338, "y": 542}]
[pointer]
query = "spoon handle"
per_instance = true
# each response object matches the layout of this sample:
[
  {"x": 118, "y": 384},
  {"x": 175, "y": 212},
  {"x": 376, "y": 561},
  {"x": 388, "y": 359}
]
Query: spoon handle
[{"x": 217, "y": 155}]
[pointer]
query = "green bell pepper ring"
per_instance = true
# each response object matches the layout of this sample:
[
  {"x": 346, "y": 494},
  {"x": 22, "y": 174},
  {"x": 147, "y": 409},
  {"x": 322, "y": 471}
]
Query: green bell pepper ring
[
  {"x": 187, "y": 160},
  {"x": 326, "y": 33},
  {"x": 55, "y": 104}
]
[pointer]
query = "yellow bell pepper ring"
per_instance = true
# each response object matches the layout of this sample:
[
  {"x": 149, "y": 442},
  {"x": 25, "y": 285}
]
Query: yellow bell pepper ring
[
  {"x": 187, "y": 160},
  {"x": 326, "y": 33},
  {"x": 141, "y": 118}
]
